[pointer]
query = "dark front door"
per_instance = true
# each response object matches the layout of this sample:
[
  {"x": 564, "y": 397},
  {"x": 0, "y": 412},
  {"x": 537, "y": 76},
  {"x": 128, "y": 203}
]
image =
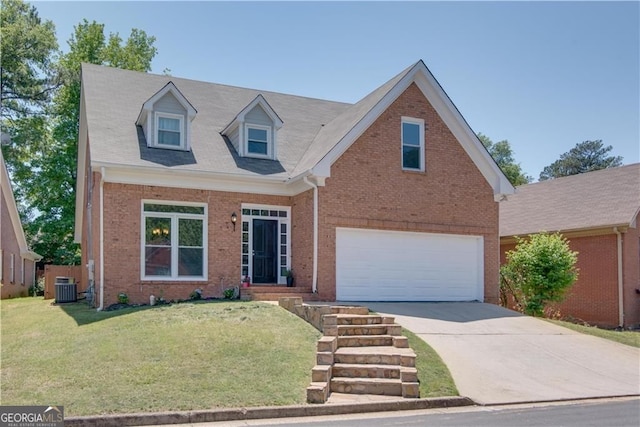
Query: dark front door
[{"x": 265, "y": 251}]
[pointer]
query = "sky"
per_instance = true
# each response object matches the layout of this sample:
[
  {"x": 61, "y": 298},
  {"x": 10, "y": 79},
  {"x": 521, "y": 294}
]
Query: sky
[{"x": 543, "y": 75}]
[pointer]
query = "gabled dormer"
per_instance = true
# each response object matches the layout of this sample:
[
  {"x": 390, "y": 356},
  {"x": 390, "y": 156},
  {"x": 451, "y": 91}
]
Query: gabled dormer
[
  {"x": 253, "y": 132},
  {"x": 166, "y": 119}
]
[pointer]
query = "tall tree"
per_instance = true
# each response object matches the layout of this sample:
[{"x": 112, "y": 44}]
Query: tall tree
[
  {"x": 50, "y": 188},
  {"x": 27, "y": 48},
  {"x": 586, "y": 156},
  {"x": 503, "y": 155}
]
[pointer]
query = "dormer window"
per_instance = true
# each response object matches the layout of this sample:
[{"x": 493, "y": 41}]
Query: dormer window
[
  {"x": 253, "y": 132},
  {"x": 169, "y": 127},
  {"x": 166, "y": 119},
  {"x": 258, "y": 141}
]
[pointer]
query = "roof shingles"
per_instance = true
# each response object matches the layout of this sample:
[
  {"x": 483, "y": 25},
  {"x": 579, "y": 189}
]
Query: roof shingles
[{"x": 608, "y": 197}]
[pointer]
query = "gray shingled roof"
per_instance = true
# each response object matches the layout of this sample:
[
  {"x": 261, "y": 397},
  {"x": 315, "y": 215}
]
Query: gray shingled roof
[
  {"x": 114, "y": 98},
  {"x": 609, "y": 197}
]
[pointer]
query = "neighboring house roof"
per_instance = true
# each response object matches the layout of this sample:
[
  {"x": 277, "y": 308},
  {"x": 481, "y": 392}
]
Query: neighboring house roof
[
  {"x": 16, "y": 225},
  {"x": 599, "y": 199}
]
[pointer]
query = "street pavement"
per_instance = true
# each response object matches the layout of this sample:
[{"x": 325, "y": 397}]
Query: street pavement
[{"x": 498, "y": 356}]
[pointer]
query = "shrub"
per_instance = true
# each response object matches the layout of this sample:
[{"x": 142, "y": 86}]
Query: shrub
[
  {"x": 538, "y": 271},
  {"x": 38, "y": 288},
  {"x": 123, "y": 298}
]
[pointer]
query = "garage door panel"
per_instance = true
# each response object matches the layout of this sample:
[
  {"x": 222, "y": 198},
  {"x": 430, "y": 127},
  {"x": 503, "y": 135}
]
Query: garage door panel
[{"x": 377, "y": 265}]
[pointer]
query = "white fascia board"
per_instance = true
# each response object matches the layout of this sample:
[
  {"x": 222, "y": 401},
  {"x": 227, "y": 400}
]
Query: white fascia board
[
  {"x": 200, "y": 180},
  {"x": 81, "y": 178},
  {"x": 258, "y": 100}
]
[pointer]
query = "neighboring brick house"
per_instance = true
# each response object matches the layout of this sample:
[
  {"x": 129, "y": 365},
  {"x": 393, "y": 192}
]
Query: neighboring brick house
[
  {"x": 17, "y": 262},
  {"x": 598, "y": 213},
  {"x": 391, "y": 198}
]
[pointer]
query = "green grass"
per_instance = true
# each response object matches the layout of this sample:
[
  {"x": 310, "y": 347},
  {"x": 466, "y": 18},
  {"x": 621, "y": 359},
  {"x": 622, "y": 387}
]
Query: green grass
[
  {"x": 182, "y": 357},
  {"x": 631, "y": 338},
  {"x": 435, "y": 378}
]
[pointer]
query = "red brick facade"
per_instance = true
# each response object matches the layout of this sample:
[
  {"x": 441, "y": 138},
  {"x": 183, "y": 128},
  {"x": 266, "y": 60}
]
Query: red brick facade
[
  {"x": 367, "y": 189},
  {"x": 594, "y": 297}
]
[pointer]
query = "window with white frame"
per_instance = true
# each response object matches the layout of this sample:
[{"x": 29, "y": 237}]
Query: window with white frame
[
  {"x": 169, "y": 130},
  {"x": 258, "y": 141},
  {"x": 174, "y": 241},
  {"x": 12, "y": 269},
  {"x": 412, "y": 144},
  {"x": 1, "y": 265},
  {"x": 22, "y": 271}
]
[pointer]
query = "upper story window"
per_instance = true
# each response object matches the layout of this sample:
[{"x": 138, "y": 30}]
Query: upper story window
[
  {"x": 412, "y": 144},
  {"x": 169, "y": 130},
  {"x": 258, "y": 140}
]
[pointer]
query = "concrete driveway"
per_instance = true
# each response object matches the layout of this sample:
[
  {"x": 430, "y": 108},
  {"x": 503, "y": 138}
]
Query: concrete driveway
[{"x": 499, "y": 356}]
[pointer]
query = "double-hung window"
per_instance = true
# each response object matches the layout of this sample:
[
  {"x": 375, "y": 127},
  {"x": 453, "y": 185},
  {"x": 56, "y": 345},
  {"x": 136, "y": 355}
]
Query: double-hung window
[
  {"x": 412, "y": 144},
  {"x": 258, "y": 140},
  {"x": 169, "y": 130},
  {"x": 174, "y": 241}
]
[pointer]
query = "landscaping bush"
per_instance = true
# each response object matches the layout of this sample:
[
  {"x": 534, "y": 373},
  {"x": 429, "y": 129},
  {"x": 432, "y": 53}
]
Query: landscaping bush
[{"x": 538, "y": 271}]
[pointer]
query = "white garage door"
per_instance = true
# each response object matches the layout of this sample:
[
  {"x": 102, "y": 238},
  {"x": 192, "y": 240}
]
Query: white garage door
[{"x": 377, "y": 265}]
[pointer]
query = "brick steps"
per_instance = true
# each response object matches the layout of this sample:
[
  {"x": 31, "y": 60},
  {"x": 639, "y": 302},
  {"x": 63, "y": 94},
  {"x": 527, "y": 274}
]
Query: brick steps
[
  {"x": 362, "y": 354},
  {"x": 274, "y": 293},
  {"x": 379, "y": 386}
]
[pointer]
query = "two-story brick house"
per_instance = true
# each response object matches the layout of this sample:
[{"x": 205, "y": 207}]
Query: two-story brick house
[{"x": 185, "y": 184}]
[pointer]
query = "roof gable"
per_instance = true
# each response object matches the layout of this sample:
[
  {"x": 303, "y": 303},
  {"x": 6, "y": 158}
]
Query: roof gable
[
  {"x": 257, "y": 101},
  {"x": 169, "y": 88},
  {"x": 16, "y": 224},
  {"x": 604, "y": 198},
  {"x": 337, "y": 136}
]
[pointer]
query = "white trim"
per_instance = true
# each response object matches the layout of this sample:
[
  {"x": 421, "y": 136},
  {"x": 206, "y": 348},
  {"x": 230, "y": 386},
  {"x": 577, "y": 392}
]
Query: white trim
[
  {"x": 12, "y": 269},
  {"x": 202, "y": 180},
  {"x": 157, "y": 115},
  {"x": 620, "y": 277},
  {"x": 422, "y": 161},
  {"x": 314, "y": 283},
  {"x": 174, "y": 217},
  {"x": 169, "y": 87},
  {"x": 1, "y": 265},
  {"x": 282, "y": 280},
  {"x": 269, "y": 142},
  {"x": 101, "y": 237},
  {"x": 258, "y": 100},
  {"x": 22, "y": 261}
]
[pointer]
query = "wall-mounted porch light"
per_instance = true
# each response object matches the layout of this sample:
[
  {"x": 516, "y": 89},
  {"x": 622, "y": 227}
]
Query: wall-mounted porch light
[{"x": 234, "y": 218}]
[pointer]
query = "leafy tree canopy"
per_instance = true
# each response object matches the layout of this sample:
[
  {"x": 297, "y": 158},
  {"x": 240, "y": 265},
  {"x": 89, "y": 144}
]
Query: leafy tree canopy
[
  {"x": 503, "y": 155},
  {"x": 46, "y": 171},
  {"x": 586, "y": 156},
  {"x": 27, "y": 48}
]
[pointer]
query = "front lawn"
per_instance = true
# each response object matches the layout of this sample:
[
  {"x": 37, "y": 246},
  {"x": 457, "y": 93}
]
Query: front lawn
[
  {"x": 631, "y": 338},
  {"x": 185, "y": 356}
]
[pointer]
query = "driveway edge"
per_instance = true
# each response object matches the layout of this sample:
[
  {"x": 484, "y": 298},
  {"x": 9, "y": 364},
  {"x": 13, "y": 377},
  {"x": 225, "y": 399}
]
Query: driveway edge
[{"x": 237, "y": 414}]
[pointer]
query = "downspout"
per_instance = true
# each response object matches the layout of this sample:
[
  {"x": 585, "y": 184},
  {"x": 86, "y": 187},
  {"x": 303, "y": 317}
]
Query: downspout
[
  {"x": 314, "y": 286},
  {"x": 620, "y": 279},
  {"x": 102, "y": 172}
]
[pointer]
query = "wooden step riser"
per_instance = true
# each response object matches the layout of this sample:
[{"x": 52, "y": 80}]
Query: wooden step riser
[{"x": 277, "y": 296}]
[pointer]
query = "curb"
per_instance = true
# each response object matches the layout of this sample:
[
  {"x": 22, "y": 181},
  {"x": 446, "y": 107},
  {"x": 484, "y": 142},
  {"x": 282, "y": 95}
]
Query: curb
[{"x": 238, "y": 414}]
